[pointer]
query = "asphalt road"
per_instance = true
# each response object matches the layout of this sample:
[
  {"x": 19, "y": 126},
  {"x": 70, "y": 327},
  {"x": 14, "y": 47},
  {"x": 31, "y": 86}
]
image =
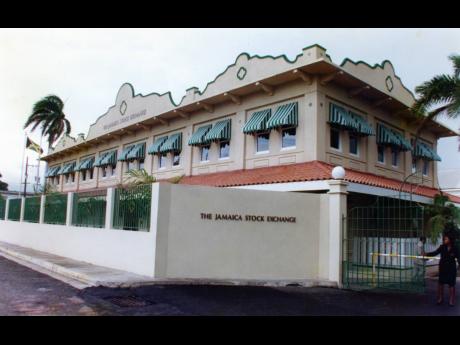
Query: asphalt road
[{"x": 26, "y": 292}]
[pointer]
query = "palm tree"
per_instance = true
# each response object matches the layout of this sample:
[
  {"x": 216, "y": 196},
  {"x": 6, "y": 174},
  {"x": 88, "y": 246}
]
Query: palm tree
[
  {"x": 442, "y": 93},
  {"x": 137, "y": 177},
  {"x": 441, "y": 216},
  {"x": 48, "y": 112}
]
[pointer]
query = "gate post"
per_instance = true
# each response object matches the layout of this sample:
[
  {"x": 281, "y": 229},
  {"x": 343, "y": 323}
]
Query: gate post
[
  {"x": 109, "y": 208},
  {"x": 337, "y": 212}
]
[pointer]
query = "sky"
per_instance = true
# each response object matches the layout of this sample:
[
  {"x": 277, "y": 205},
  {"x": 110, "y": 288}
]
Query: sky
[{"x": 86, "y": 67}]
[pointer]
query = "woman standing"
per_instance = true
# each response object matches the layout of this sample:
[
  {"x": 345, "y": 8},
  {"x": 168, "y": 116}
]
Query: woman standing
[{"x": 447, "y": 267}]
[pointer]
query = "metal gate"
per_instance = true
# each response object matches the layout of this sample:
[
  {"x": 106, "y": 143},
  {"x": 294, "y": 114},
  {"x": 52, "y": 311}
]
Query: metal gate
[{"x": 380, "y": 242}]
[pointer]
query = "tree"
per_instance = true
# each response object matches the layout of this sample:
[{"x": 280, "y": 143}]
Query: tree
[
  {"x": 441, "y": 217},
  {"x": 137, "y": 177},
  {"x": 3, "y": 185},
  {"x": 49, "y": 113},
  {"x": 439, "y": 95}
]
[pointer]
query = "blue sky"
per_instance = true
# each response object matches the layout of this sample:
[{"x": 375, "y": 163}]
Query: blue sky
[{"x": 86, "y": 67}]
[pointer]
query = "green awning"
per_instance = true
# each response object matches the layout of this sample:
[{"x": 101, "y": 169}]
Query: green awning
[
  {"x": 339, "y": 117},
  {"x": 86, "y": 163},
  {"x": 110, "y": 158},
  {"x": 67, "y": 168},
  {"x": 197, "y": 138},
  {"x": 258, "y": 122},
  {"x": 424, "y": 151},
  {"x": 99, "y": 159},
  {"x": 53, "y": 171},
  {"x": 173, "y": 144},
  {"x": 138, "y": 152},
  {"x": 125, "y": 152},
  {"x": 362, "y": 126},
  {"x": 389, "y": 137},
  {"x": 284, "y": 116},
  {"x": 221, "y": 131},
  {"x": 155, "y": 147}
]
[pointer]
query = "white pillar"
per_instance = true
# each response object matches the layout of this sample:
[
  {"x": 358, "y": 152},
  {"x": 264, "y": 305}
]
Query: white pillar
[
  {"x": 337, "y": 211},
  {"x": 23, "y": 206},
  {"x": 42, "y": 209},
  {"x": 109, "y": 208},
  {"x": 7, "y": 208},
  {"x": 68, "y": 218}
]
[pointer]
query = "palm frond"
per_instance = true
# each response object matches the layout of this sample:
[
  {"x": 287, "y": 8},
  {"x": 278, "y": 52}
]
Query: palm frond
[
  {"x": 141, "y": 176},
  {"x": 455, "y": 58}
]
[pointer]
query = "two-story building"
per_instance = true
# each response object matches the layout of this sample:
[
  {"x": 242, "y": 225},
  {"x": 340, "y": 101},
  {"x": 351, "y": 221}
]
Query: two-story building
[{"x": 264, "y": 123}]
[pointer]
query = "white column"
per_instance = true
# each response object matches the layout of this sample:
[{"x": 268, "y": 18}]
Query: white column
[
  {"x": 337, "y": 211},
  {"x": 68, "y": 218},
  {"x": 7, "y": 208},
  {"x": 23, "y": 205},
  {"x": 42, "y": 209},
  {"x": 109, "y": 208},
  {"x": 154, "y": 207}
]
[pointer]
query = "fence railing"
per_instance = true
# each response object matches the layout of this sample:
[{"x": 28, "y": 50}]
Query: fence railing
[
  {"x": 55, "y": 209},
  {"x": 126, "y": 208},
  {"x": 14, "y": 209},
  {"x": 32, "y": 209},
  {"x": 89, "y": 209},
  {"x": 132, "y": 208},
  {"x": 2, "y": 208}
]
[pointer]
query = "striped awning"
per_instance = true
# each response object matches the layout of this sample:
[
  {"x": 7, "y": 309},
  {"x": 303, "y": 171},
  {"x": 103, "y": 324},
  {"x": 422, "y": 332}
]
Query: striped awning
[
  {"x": 125, "y": 152},
  {"x": 67, "y": 168},
  {"x": 53, "y": 171},
  {"x": 173, "y": 144},
  {"x": 86, "y": 163},
  {"x": 197, "y": 138},
  {"x": 110, "y": 158},
  {"x": 221, "y": 131},
  {"x": 137, "y": 152},
  {"x": 258, "y": 122},
  {"x": 284, "y": 116},
  {"x": 99, "y": 159},
  {"x": 424, "y": 151},
  {"x": 362, "y": 126},
  {"x": 340, "y": 117},
  {"x": 389, "y": 137},
  {"x": 155, "y": 147}
]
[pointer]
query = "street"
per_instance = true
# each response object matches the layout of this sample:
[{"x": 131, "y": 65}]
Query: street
[{"x": 27, "y": 292}]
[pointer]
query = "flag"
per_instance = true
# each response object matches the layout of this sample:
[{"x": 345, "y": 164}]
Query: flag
[{"x": 33, "y": 146}]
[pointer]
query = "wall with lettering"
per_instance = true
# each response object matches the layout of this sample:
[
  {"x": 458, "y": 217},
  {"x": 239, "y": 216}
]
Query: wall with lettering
[{"x": 217, "y": 233}]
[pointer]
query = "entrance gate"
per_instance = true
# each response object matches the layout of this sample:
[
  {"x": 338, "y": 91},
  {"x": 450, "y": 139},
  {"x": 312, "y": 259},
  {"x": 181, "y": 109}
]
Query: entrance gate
[{"x": 381, "y": 245}]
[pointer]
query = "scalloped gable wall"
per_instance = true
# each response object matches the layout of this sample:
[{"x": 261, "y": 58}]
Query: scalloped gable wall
[{"x": 140, "y": 107}]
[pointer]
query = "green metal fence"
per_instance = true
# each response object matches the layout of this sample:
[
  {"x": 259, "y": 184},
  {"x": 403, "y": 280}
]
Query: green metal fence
[
  {"x": 2, "y": 207},
  {"x": 381, "y": 246},
  {"x": 132, "y": 208},
  {"x": 14, "y": 210},
  {"x": 55, "y": 209},
  {"x": 32, "y": 209},
  {"x": 89, "y": 209}
]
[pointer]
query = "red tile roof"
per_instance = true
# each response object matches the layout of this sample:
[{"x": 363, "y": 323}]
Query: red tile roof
[{"x": 300, "y": 172}]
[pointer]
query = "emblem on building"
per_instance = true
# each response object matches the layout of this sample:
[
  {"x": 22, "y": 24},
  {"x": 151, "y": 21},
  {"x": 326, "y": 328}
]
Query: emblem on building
[
  {"x": 123, "y": 108},
  {"x": 389, "y": 83},
  {"x": 241, "y": 73}
]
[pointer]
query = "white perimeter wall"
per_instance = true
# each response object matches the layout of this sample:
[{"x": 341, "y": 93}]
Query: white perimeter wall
[{"x": 125, "y": 250}]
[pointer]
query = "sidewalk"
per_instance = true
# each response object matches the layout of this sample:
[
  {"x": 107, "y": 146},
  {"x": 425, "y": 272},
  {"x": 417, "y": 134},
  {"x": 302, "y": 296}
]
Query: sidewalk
[{"x": 76, "y": 273}]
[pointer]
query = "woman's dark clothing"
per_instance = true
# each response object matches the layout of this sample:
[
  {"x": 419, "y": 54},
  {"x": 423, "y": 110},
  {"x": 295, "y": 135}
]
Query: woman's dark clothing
[{"x": 447, "y": 265}]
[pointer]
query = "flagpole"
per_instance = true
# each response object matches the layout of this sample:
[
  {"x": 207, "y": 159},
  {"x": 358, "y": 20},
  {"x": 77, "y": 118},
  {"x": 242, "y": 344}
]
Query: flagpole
[
  {"x": 38, "y": 165},
  {"x": 22, "y": 164}
]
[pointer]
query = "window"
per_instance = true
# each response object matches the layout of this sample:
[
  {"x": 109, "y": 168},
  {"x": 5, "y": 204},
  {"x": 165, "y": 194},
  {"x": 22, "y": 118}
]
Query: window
[
  {"x": 83, "y": 175},
  {"x": 224, "y": 149},
  {"x": 113, "y": 169},
  {"x": 381, "y": 153},
  {"x": 288, "y": 137},
  {"x": 141, "y": 163},
  {"x": 90, "y": 173},
  {"x": 72, "y": 177},
  {"x": 176, "y": 158},
  {"x": 131, "y": 165},
  {"x": 57, "y": 180},
  {"x": 104, "y": 172},
  {"x": 335, "y": 138},
  {"x": 162, "y": 160},
  {"x": 394, "y": 157},
  {"x": 414, "y": 165},
  {"x": 426, "y": 167},
  {"x": 354, "y": 144},
  {"x": 262, "y": 142},
  {"x": 205, "y": 153}
]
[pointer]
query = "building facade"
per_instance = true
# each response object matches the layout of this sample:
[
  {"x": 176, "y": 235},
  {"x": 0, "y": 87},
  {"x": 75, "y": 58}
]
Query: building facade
[{"x": 260, "y": 113}]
